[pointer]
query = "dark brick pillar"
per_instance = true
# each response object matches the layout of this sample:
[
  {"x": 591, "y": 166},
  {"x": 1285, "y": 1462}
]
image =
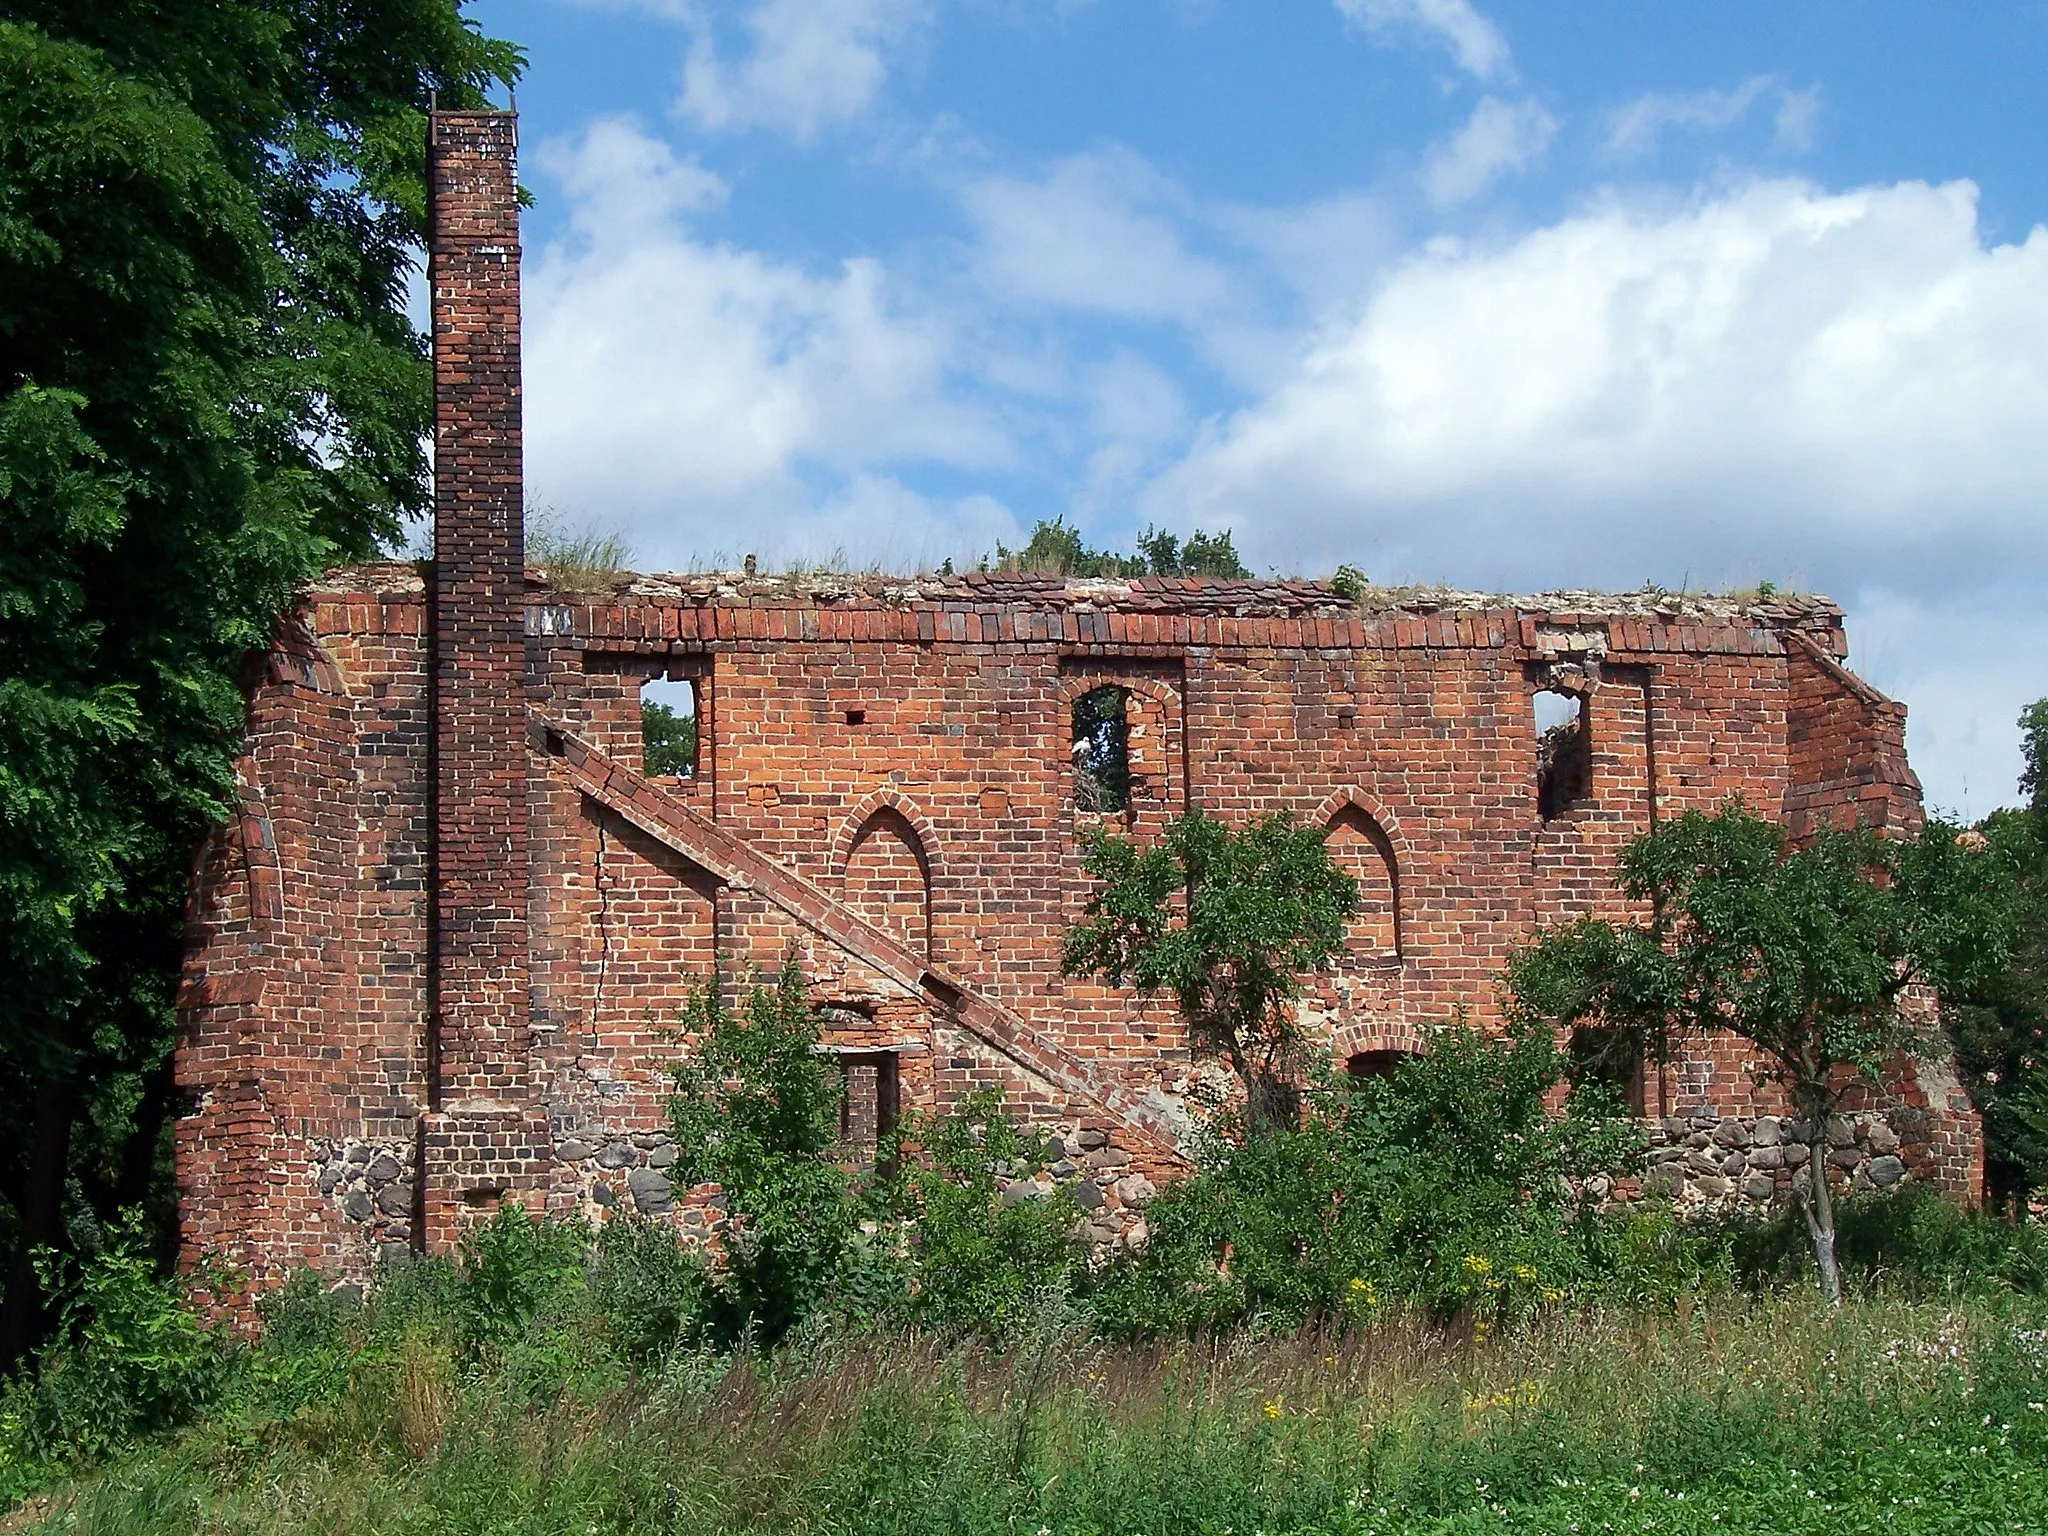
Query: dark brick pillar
[{"x": 480, "y": 1139}]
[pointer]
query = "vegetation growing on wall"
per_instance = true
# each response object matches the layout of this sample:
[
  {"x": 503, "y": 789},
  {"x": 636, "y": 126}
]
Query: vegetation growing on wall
[{"x": 1056, "y": 549}]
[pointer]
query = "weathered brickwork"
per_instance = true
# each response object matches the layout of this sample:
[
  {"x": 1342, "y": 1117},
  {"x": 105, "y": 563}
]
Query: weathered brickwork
[{"x": 441, "y": 955}]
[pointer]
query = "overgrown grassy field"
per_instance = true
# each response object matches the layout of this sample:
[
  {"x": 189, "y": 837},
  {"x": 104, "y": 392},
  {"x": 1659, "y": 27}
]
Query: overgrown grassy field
[{"x": 1771, "y": 1415}]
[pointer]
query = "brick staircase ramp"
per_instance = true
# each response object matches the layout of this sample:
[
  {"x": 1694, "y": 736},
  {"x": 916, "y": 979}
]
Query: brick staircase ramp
[{"x": 737, "y": 862}]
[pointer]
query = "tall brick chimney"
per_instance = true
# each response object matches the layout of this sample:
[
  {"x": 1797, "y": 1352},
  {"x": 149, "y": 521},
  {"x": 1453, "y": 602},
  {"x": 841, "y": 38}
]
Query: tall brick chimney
[{"x": 479, "y": 1143}]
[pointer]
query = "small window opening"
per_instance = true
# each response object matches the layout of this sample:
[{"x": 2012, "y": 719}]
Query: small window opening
[
  {"x": 1613, "y": 1057},
  {"x": 856, "y": 717},
  {"x": 668, "y": 727},
  {"x": 1564, "y": 758},
  {"x": 869, "y": 1109},
  {"x": 1373, "y": 1066},
  {"x": 1102, "y": 751}
]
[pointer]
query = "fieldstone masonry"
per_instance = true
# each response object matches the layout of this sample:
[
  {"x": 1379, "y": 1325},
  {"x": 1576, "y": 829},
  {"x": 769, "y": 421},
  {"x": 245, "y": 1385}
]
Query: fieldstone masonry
[{"x": 438, "y": 958}]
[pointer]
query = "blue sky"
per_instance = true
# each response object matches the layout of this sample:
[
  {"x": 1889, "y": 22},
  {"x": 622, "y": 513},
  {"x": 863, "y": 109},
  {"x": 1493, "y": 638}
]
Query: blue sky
[{"x": 1507, "y": 295}]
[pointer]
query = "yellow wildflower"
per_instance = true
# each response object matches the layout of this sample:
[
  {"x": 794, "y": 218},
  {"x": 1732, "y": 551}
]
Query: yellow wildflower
[
  {"x": 1478, "y": 1264},
  {"x": 1273, "y": 1407}
]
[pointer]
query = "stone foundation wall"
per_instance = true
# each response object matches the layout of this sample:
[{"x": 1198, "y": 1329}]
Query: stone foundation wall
[{"x": 1712, "y": 1161}]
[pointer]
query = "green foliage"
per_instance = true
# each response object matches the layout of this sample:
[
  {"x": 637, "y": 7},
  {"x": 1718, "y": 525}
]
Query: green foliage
[
  {"x": 971, "y": 1262},
  {"x": 756, "y": 1109},
  {"x": 513, "y": 1268},
  {"x": 1909, "y": 1240},
  {"x": 1443, "y": 1187},
  {"x": 1055, "y": 549},
  {"x": 928, "y": 1241},
  {"x": 1226, "y": 921},
  {"x": 1733, "y": 1415},
  {"x": 668, "y": 741},
  {"x": 576, "y": 559},
  {"x": 1804, "y": 952},
  {"x": 653, "y": 1294},
  {"x": 209, "y": 387},
  {"x": 128, "y": 1359},
  {"x": 1349, "y": 583},
  {"x": 2000, "y": 1024}
]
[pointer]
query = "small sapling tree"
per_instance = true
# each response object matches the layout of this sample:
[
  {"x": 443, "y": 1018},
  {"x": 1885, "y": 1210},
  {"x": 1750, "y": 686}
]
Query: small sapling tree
[
  {"x": 1806, "y": 952},
  {"x": 756, "y": 1109},
  {"x": 1226, "y": 921}
]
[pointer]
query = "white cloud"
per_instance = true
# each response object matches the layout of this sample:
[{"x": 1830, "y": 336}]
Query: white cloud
[
  {"x": 1473, "y": 40},
  {"x": 1966, "y": 663},
  {"x": 1837, "y": 391},
  {"x": 1098, "y": 235},
  {"x": 813, "y": 64},
  {"x": 1772, "y": 370},
  {"x": 874, "y": 521},
  {"x": 1325, "y": 251},
  {"x": 1794, "y": 121},
  {"x": 692, "y": 392},
  {"x": 1636, "y": 128},
  {"x": 1499, "y": 137}
]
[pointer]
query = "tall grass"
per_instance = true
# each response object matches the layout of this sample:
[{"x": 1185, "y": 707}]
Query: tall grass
[
  {"x": 577, "y": 557},
  {"x": 1773, "y": 1414}
]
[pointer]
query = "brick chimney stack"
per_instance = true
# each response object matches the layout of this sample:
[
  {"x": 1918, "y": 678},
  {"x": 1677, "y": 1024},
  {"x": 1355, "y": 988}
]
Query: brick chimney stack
[{"x": 477, "y": 1144}]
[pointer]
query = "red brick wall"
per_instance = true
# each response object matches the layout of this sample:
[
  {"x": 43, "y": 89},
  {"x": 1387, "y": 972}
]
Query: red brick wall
[{"x": 943, "y": 815}]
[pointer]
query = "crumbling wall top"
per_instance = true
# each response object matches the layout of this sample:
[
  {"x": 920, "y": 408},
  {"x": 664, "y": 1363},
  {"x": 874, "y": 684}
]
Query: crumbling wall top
[{"x": 1250, "y": 598}]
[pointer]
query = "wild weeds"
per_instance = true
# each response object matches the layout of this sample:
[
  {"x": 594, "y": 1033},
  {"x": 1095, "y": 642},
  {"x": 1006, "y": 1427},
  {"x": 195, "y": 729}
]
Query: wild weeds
[{"x": 1410, "y": 1421}]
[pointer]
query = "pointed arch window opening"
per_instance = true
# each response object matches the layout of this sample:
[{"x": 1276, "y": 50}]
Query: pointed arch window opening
[
  {"x": 1366, "y": 853},
  {"x": 1564, "y": 751}
]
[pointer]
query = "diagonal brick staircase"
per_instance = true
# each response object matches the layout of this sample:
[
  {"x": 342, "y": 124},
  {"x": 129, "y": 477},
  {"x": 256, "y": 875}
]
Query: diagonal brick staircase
[{"x": 738, "y": 863}]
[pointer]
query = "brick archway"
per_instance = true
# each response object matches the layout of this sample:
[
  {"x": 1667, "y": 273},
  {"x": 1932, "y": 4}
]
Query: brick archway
[
  {"x": 884, "y": 863},
  {"x": 1352, "y": 1037},
  {"x": 1374, "y": 808},
  {"x": 1362, "y": 841},
  {"x": 855, "y": 820}
]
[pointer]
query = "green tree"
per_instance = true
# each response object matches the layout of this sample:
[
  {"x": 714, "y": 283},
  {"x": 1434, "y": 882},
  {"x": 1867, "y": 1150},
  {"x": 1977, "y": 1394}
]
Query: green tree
[
  {"x": 1055, "y": 549},
  {"x": 1226, "y": 921},
  {"x": 756, "y": 1109},
  {"x": 668, "y": 741},
  {"x": 2001, "y": 1026},
  {"x": 1806, "y": 952},
  {"x": 209, "y": 210}
]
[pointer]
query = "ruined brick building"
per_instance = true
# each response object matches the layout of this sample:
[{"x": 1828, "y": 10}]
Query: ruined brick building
[{"x": 437, "y": 957}]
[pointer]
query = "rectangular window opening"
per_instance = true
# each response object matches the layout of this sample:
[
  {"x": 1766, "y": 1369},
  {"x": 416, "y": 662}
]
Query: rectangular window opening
[
  {"x": 1613, "y": 1057},
  {"x": 668, "y": 727},
  {"x": 1564, "y": 752},
  {"x": 869, "y": 1110},
  {"x": 1102, "y": 751}
]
